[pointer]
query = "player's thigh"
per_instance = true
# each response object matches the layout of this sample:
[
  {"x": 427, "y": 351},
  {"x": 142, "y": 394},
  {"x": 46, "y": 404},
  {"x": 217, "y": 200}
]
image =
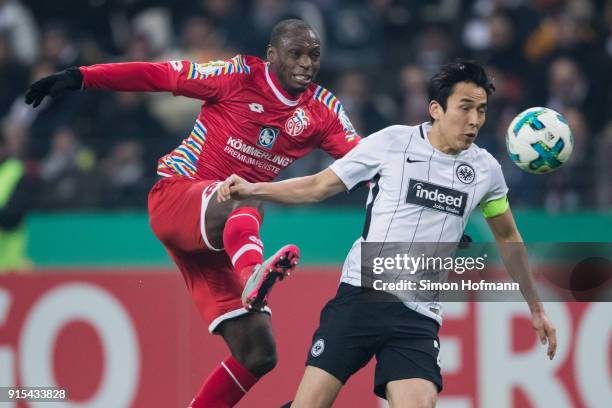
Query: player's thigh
[
  {"x": 318, "y": 389},
  {"x": 184, "y": 214},
  {"x": 349, "y": 333},
  {"x": 175, "y": 213},
  {"x": 213, "y": 286},
  {"x": 411, "y": 393},
  {"x": 411, "y": 353}
]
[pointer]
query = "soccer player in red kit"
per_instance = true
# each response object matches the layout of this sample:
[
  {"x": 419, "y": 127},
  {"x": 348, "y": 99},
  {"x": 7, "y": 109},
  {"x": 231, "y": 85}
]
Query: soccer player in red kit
[{"x": 257, "y": 117}]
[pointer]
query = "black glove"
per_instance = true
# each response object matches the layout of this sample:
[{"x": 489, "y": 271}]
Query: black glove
[
  {"x": 465, "y": 241},
  {"x": 68, "y": 79}
]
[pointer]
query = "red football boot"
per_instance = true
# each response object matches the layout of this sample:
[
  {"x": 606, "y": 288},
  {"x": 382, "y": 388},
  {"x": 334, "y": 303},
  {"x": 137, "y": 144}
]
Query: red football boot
[{"x": 259, "y": 285}]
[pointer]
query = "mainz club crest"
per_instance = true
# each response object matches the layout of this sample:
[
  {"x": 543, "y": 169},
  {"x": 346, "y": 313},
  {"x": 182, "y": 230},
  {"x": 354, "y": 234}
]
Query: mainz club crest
[{"x": 296, "y": 124}]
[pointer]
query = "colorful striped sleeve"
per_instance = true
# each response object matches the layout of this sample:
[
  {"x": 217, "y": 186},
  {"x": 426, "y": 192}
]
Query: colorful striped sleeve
[{"x": 340, "y": 135}]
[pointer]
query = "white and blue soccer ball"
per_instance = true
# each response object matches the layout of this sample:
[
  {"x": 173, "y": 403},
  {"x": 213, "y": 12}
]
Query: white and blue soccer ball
[{"x": 539, "y": 140}]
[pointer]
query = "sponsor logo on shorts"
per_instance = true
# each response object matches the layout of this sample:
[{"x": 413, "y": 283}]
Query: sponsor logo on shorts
[
  {"x": 317, "y": 348},
  {"x": 210, "y": 189},
  {"x": 437, "y": 197},
  {"x": 267, "y": 137},
  {"x": 465, "y": 173}
]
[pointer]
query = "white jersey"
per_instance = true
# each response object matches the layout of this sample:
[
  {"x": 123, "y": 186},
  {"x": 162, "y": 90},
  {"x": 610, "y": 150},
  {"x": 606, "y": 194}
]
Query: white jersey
[{"x": 417, "y": 193}]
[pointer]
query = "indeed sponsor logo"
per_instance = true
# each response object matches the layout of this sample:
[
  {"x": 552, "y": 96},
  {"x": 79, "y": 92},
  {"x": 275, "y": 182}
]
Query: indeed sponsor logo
[{"x": 436, "y": 197}]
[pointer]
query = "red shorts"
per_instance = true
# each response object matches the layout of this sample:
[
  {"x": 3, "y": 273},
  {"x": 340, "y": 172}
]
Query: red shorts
[{"x": 177, "y": 208}]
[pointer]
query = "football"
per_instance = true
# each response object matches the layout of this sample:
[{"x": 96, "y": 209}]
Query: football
[{"x": 539, "y": 140}]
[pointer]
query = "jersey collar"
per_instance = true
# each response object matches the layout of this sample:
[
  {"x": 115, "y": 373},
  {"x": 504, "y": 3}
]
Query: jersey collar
[{"x": 276, "y": 88}]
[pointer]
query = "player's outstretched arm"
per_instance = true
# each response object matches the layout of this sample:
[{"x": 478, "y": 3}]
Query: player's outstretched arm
[
  {"x": 125, "y": 76},
  {"x": 514, "y": 256},
  {"x": 309, "y": 189}
]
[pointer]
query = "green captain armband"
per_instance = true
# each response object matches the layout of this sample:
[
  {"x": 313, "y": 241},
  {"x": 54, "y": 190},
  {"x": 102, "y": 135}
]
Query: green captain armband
[{"x": 494, "y": 208}]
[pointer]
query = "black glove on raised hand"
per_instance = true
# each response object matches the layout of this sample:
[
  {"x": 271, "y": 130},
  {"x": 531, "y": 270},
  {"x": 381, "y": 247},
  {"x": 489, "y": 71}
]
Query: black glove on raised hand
[{"x": 68, "y": 79}]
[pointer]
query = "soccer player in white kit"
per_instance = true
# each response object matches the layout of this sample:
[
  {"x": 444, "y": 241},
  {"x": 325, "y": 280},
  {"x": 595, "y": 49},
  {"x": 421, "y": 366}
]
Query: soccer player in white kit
[{"x": 425, "y": 181}]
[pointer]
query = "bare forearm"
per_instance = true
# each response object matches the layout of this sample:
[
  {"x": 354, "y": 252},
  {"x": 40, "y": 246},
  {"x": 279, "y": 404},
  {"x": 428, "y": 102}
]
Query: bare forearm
[
  {"x": 293, "y": 191},
  {"x": 516, "y": 261},
  {"x": 514, "y": 254},
  {"x": 309, "y": 189}
]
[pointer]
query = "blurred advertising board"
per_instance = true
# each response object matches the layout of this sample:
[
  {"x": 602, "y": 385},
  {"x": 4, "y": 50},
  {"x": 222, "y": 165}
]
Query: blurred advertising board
[{"x": 131, "y": 338}]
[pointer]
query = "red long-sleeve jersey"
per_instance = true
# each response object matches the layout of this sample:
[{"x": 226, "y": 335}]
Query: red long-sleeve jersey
[{"x": 248, "y": 124}]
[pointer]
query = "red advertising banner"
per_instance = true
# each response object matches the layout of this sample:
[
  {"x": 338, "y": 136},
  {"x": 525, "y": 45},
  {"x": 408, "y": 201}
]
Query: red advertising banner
[{"x": 133, "y": 339}]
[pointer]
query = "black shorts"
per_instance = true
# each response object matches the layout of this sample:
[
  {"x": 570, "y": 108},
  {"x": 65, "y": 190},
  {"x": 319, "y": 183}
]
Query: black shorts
[{"x": 353, "y": 329}]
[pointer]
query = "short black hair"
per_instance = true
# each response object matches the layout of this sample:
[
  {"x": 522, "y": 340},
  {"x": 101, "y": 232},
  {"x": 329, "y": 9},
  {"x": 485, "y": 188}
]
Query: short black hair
[
  {"x": 440, "y": 86},
  {"x": 285, "y": 26}
]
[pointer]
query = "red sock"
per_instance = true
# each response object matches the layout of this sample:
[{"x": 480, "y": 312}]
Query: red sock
[
  {"x": 241, "y": 240},
  {"x": 225, "y": 386}
]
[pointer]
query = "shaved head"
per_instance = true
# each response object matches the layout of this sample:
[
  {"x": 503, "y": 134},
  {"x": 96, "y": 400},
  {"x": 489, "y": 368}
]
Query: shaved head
[{"x": 286, "y": 27}]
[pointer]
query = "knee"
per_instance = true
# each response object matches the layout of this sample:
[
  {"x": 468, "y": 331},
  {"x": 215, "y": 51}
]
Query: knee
[
  {"x": 260, "y": 361},
  {"x": 427, "y": 400},
  {"x": 258, "y": 205},
  {"x": 251, "y": 342}
]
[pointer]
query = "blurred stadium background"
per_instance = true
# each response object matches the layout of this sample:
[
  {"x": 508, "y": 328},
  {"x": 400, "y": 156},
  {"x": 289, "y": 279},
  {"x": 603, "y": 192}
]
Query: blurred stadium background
[{"x": 97, "y": 307}]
